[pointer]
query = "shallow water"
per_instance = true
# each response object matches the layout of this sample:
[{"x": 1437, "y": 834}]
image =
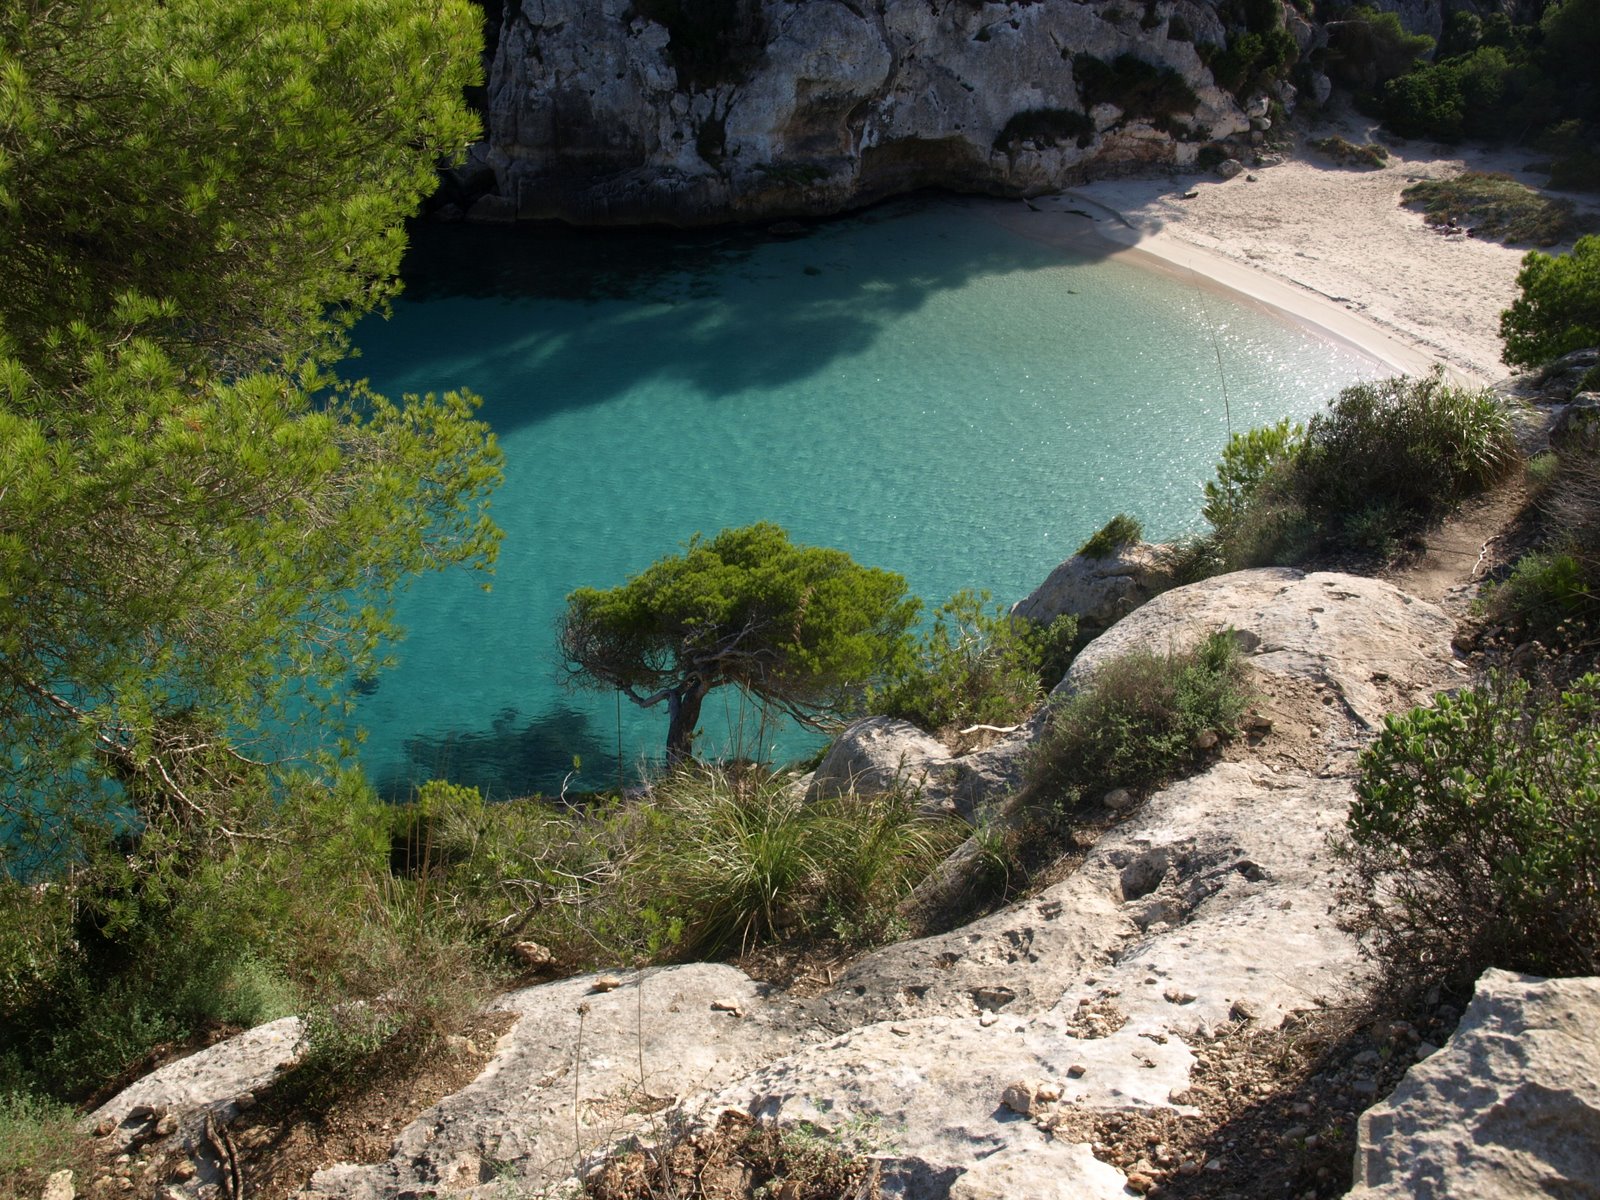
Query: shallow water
[{"x": 915, "y": 385}]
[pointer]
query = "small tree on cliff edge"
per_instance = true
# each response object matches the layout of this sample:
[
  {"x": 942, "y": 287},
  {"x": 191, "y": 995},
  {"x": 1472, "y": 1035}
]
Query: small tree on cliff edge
[{"x": 801, "y": 627}]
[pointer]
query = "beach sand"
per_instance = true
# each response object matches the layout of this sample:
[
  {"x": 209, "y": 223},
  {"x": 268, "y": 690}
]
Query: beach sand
[{"x": 1329, "y": 246}]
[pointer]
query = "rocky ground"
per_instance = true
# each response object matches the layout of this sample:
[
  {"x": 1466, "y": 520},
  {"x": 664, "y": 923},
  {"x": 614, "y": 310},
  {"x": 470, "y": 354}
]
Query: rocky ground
[
  {"x": 1176, "y": 1010},
  {"x": 1180, "y": 1013}
]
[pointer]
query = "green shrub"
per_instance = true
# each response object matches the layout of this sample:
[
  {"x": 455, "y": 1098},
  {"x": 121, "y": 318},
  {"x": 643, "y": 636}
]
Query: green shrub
[
  {"x": 1494, "y": 206},
  {"x": 1576, "y": 172},
  {"x": 1045, "y": 127},
  {"x": 1247, "y": 461},
  {"x": 1122, "y": 530},
  {"x": 1559, "y": 307},
  {"x": 1367, "y": 48},
  {"x": 173, "y": 935},
  {"x": 1383, "y": 458},
  {"x": 1412, "y": 445},
  {"x": 1475, "y": 836},
  {"x": 1252, "y": 62},
  {"x": 1138, "y": 721},
  {"x": 1464, "y": 97},
  {"x": 1348, "y": 154},
  {"x": 1543, "y": 592},
  {"x": 733, "y": 861},
  {"x": 1138, "y": 88},
  {"x": 1554, "y": 594},
  {"x": 976, "y": 666}
]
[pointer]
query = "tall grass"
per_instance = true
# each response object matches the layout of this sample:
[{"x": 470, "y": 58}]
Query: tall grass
[{"x": 734, "y": 861}]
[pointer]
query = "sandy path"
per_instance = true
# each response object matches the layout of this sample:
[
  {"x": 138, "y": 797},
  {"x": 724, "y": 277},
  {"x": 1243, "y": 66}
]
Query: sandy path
[{"x": 1330, "y": 246}]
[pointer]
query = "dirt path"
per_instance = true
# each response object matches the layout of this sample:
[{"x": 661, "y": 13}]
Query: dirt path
[{"x": 1463, "y": 549}]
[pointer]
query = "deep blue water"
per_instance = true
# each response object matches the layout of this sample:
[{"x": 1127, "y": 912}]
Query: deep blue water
[{"x": 916, "y": 385}]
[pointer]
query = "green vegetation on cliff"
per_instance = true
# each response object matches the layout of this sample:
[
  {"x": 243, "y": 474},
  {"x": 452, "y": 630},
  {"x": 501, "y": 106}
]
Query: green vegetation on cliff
[
  {"x": 1384, "y": 459},
  {"x": 1559, "y": 308},
  {"x": 1476, "y": 833},
  {"x": 197, "y": 522},
  {"x": 200, "y": 530}
]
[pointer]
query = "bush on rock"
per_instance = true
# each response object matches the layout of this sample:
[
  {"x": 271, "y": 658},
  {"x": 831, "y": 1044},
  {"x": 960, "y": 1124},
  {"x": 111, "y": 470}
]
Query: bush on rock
[{"x": 1475, "y": 836}]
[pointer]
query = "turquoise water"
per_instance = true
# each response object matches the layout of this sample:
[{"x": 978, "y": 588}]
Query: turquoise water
[{"x": 916, "y": 385}]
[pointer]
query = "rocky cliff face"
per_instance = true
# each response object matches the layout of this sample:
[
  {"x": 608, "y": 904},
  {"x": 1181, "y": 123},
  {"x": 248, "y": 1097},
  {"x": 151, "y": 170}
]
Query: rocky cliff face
[{"x": 623, "y": 111}]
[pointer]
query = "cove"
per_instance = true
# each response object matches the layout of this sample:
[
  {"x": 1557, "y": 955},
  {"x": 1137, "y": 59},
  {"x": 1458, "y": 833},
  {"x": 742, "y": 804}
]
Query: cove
[{"x": 917, "y": 385}]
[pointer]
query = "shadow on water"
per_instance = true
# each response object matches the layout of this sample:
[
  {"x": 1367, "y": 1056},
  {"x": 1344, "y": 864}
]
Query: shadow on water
[
  {"x": 513, "y": 757},
  {"x": 678, "y": 308}
]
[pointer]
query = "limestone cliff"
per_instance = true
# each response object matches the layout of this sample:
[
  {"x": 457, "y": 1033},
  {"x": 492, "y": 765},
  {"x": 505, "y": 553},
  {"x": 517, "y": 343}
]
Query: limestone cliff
[{"x": 623, "y": 111}]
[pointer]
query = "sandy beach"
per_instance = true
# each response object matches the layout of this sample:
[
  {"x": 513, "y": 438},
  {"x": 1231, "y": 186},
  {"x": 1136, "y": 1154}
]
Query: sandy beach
[{"x": 1330, "y": 246}]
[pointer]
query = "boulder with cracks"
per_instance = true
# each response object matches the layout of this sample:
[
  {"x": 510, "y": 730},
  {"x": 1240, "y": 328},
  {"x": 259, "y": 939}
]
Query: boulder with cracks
[{"x": 1509, "y": 1108}]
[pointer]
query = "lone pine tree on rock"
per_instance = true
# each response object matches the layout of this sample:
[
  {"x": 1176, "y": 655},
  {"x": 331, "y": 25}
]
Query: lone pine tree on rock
[{"x": 803, "y": 628}]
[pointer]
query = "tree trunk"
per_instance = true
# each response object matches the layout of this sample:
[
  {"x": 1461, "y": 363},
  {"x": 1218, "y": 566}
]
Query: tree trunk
[{"x": 683, "y": 711}]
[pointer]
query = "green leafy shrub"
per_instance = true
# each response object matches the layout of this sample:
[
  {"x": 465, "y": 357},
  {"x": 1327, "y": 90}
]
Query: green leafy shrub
[
  {"x": 1465, "y": 96},
  {"x": 1413, "y": 445},
  {"x": 1138, "y": 88},
  {"x": 1367, "y": 48},
  {"x": 1383, "y": 458},
  {"x": 1122, "y": 530},
  {"x": 1045, "y": 127},
  {"x": 1348, "y": 154},
  {"x": 1543, "y": 592},
  {"x": 1558, "y": 309},
  {"x": 1253, "y": 61},
  {"x": 1554, "y": 593},
  {"x": 976, "y": 665},
  {"x": 1576, "y": 172},
  {"x": 171, "y": 936},
  {"x": 1495, "y": 206},
  {"x": 1475, "y": 836},
  {"x": 1138, "y": 721},
  {"x": 1247, "y": 461}
]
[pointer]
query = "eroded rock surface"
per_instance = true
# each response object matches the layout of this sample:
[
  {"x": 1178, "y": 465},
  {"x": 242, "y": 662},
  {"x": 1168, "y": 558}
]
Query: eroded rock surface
[
  {"x": 616, "y": 111},
  {"x": 1510, "y": 1108},
  {"x": 1210, "y": 906},
  {"x": 881, "y": 754},
  {"x": 1207, "y": 905},
  {"x": 1381, "y": 649},
  {"x": 1099, "y": 591},
  {"x": 210, "y": 1080},
  {"x": 566, "y": 1080}
]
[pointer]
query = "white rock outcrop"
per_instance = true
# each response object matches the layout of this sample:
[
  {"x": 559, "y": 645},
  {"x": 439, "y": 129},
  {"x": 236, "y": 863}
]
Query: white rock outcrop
[
  {"x": 1509, "y": 1109},
  {"x": 766, "y": 108},
  {"x": 1099, "y": 591},
  {"x": 208, "y": 1080},
  {"x": 566, "y": 1081},
  {"x": 1208, "y": 905},
  {"x": 1379, "y": 648},
  {"x": 880, "y": 754}
]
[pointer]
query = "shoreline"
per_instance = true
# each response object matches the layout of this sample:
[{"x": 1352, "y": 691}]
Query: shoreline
[
  {"x": 1283, "y": 299},
  {"x": 1330, "y": 248}
]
